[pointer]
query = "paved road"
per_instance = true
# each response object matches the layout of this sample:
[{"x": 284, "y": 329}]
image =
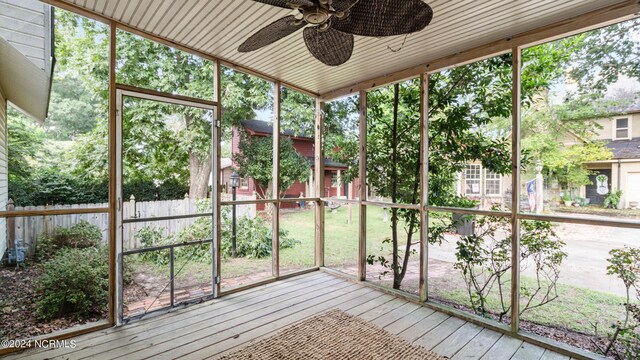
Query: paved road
[{"x": 587, "y": 247}]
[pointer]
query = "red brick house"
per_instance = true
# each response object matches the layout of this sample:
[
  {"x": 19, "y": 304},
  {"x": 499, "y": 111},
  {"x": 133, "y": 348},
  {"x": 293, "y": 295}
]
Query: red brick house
[{"x": 334, "y": 187}]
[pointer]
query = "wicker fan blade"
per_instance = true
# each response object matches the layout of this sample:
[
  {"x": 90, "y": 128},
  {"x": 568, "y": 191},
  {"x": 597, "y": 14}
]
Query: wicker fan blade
[
  {"x": 285, "y": 3},
  {"x": 330, "y": 46},
  {"x": 343, "y": 5},
  {"x": 271, "y": 33},
  {"x": 385, "y": 17}
]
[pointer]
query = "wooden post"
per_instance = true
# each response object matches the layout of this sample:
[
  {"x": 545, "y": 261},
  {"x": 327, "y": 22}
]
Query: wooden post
[
  {"x": 215, "y": 181},
  {"x": 275, "y": 218},
  {"x": 319, "y": 181},
  {"x": 113, "y": 196},
  {"x": 131, "y": 229},
  {"x": 424, "y": 181},
  {"x": 362, "y": 196},
  {"x": 515, "y": 190},
  {"x": 11, "y": 226}
]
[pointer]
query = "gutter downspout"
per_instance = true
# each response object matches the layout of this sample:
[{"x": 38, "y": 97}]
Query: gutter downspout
[{"x": 619, "y": 174}]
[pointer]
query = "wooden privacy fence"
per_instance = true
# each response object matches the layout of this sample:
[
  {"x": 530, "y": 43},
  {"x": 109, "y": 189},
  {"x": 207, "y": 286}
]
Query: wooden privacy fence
[{"x": 33, "y": 228}]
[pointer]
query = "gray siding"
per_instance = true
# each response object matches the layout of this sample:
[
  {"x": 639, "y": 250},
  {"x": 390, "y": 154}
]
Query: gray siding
[
  {"x": 4, "y": 188},
  {"x": 26, "y": 24}
]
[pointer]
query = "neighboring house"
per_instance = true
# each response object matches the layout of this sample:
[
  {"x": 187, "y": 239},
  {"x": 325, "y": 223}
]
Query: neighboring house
[
  {"x": 26, "y": 65},
  {"x": 333, "y": 185},
  {"x": 621, "y": 134},
  {"x": 484, "y": 186}
]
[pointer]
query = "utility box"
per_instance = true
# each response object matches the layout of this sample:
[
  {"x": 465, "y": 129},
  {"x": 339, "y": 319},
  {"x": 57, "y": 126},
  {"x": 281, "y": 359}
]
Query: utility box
[{"x": 17, "y": 253}]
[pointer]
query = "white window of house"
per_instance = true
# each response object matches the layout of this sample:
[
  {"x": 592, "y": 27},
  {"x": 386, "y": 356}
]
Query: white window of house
[
  {"x": 491, "y": 183},
  {"x": 244, "y": 183},
  {"x": 622, "y": 128},
  {"x": 472, "y": 179},
  {"x": 335, "y": 182}
]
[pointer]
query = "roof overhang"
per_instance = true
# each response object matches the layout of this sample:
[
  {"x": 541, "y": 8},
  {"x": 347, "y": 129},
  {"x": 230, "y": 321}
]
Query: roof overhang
[
  {"x": 461, "y": 32},
  {"x": 23, "y": 83}
]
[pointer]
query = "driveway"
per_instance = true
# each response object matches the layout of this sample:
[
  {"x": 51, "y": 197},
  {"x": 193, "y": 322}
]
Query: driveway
[{"x": 587, "y": 247}]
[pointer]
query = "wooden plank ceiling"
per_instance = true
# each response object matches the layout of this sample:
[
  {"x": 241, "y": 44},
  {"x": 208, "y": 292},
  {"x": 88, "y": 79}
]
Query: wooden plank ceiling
[{"x": 217, "y": 27}]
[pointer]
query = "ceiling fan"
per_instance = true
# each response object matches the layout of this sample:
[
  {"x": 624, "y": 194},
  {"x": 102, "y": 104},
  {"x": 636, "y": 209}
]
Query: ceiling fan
[{"x": 334, "y": 22}]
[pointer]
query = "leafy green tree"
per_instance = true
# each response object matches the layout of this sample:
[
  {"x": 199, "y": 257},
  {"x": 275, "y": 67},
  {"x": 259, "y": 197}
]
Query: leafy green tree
[
  {"x": 464, "y": 102},
  {"x": 25, "y": 140},
  {"x": 178, "y": 139},
  {"x": 255, "y": 160},
  {"x": 72, "y": 111}
]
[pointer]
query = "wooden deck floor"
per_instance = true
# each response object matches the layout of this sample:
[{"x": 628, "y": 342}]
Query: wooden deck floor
[{"x": 209, "y": 329}]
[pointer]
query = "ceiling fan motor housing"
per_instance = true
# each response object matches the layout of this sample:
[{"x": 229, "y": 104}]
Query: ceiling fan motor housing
[{"x": 316, "y": 15}]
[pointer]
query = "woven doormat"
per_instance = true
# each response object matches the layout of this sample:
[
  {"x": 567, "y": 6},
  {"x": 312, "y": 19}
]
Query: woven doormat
[{"x": 332, "y": 335}]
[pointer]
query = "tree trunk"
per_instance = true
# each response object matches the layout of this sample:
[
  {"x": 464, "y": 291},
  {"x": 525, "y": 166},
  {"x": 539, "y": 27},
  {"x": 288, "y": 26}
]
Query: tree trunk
[
  {"x": 199, "y": 171},
  {"x": 397, "y": 280},
  {"x": 199, "y": 175}
]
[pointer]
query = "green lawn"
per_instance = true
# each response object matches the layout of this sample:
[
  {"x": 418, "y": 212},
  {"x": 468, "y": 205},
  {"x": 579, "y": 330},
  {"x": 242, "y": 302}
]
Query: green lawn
[{"x": 576, "y": 308}]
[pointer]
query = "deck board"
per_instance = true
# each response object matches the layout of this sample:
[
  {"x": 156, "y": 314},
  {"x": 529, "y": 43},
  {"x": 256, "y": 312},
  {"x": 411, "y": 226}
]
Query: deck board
[
  {"x": 451, "y": 345},
  {"x": 477, "y": 347},
  {"x": 229, "y": 323},
  {"x": 503, "y": 349},
  {"x": 528, "y": 352}
]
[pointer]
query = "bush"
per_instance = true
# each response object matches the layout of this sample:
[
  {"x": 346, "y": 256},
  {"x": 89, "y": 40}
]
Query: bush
[
  {"x": 150, "y": 236},
  {"x": 81, "y": 235},
  {"x": 75, "y": 281},
  {"x": 253, "y": 239}
]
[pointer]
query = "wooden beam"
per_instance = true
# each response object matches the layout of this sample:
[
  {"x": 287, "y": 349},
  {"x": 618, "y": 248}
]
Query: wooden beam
[
  {"x": 50, "y": 212},
  {"x": 362, "y": 193},
  {"x": 424, "y": 195},
  {"x": 515, "y": 189},
  {"x": 319, "y": 182},
  {"x": 113, "y": 195},
  {"x": 215, "y": 180},
  {"x": 167, "y": 97},
  {"x": 606, "y": 16},
  {"x": 275, "y": 218},
  {"x": 107, "y": 20}
]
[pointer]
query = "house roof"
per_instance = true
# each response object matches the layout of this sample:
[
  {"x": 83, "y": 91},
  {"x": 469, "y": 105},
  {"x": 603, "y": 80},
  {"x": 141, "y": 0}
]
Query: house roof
[
  {"x": 628, "y": 109},
  {"x": 217, "y": 28},
  {"x": 22, "y": 82},
  {"x": 328, "y": 163},
  {"x": 625, "y": 149},
  {"x": 225, "y": 163},
  {"x": 266, "y": 128}
]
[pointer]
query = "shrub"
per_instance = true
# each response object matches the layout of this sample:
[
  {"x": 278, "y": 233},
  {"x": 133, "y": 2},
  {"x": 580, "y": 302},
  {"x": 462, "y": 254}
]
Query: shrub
[
  {"x": 484, "y": 260},
  {"x": 623, "y": 337},
  {"x": 613, "y": 199},
  {"x": 81, "y": 235},
  {"x": 75, "y": 281},
  {"x": 253, "y": 239},
  {"x": 150, "y": 236}
]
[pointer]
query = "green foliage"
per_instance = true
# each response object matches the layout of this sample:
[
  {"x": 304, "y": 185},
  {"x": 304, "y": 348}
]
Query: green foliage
[
  {"x": 255, "y": 160},
  {"x": 613, "y": 199},
  {"x": 76, "y": 282},
  {"x": 79, "y": 236},
  {"x": 624, "y": 337},
  {"x": 73, "y": 110},
  {"x": 484, "y": 259},
  {"x": 25, "y": 141},
  {"x": 253, "y": 239},
  {"x": 625, "y": 264},
  {"x": 150, "y": 236}
]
